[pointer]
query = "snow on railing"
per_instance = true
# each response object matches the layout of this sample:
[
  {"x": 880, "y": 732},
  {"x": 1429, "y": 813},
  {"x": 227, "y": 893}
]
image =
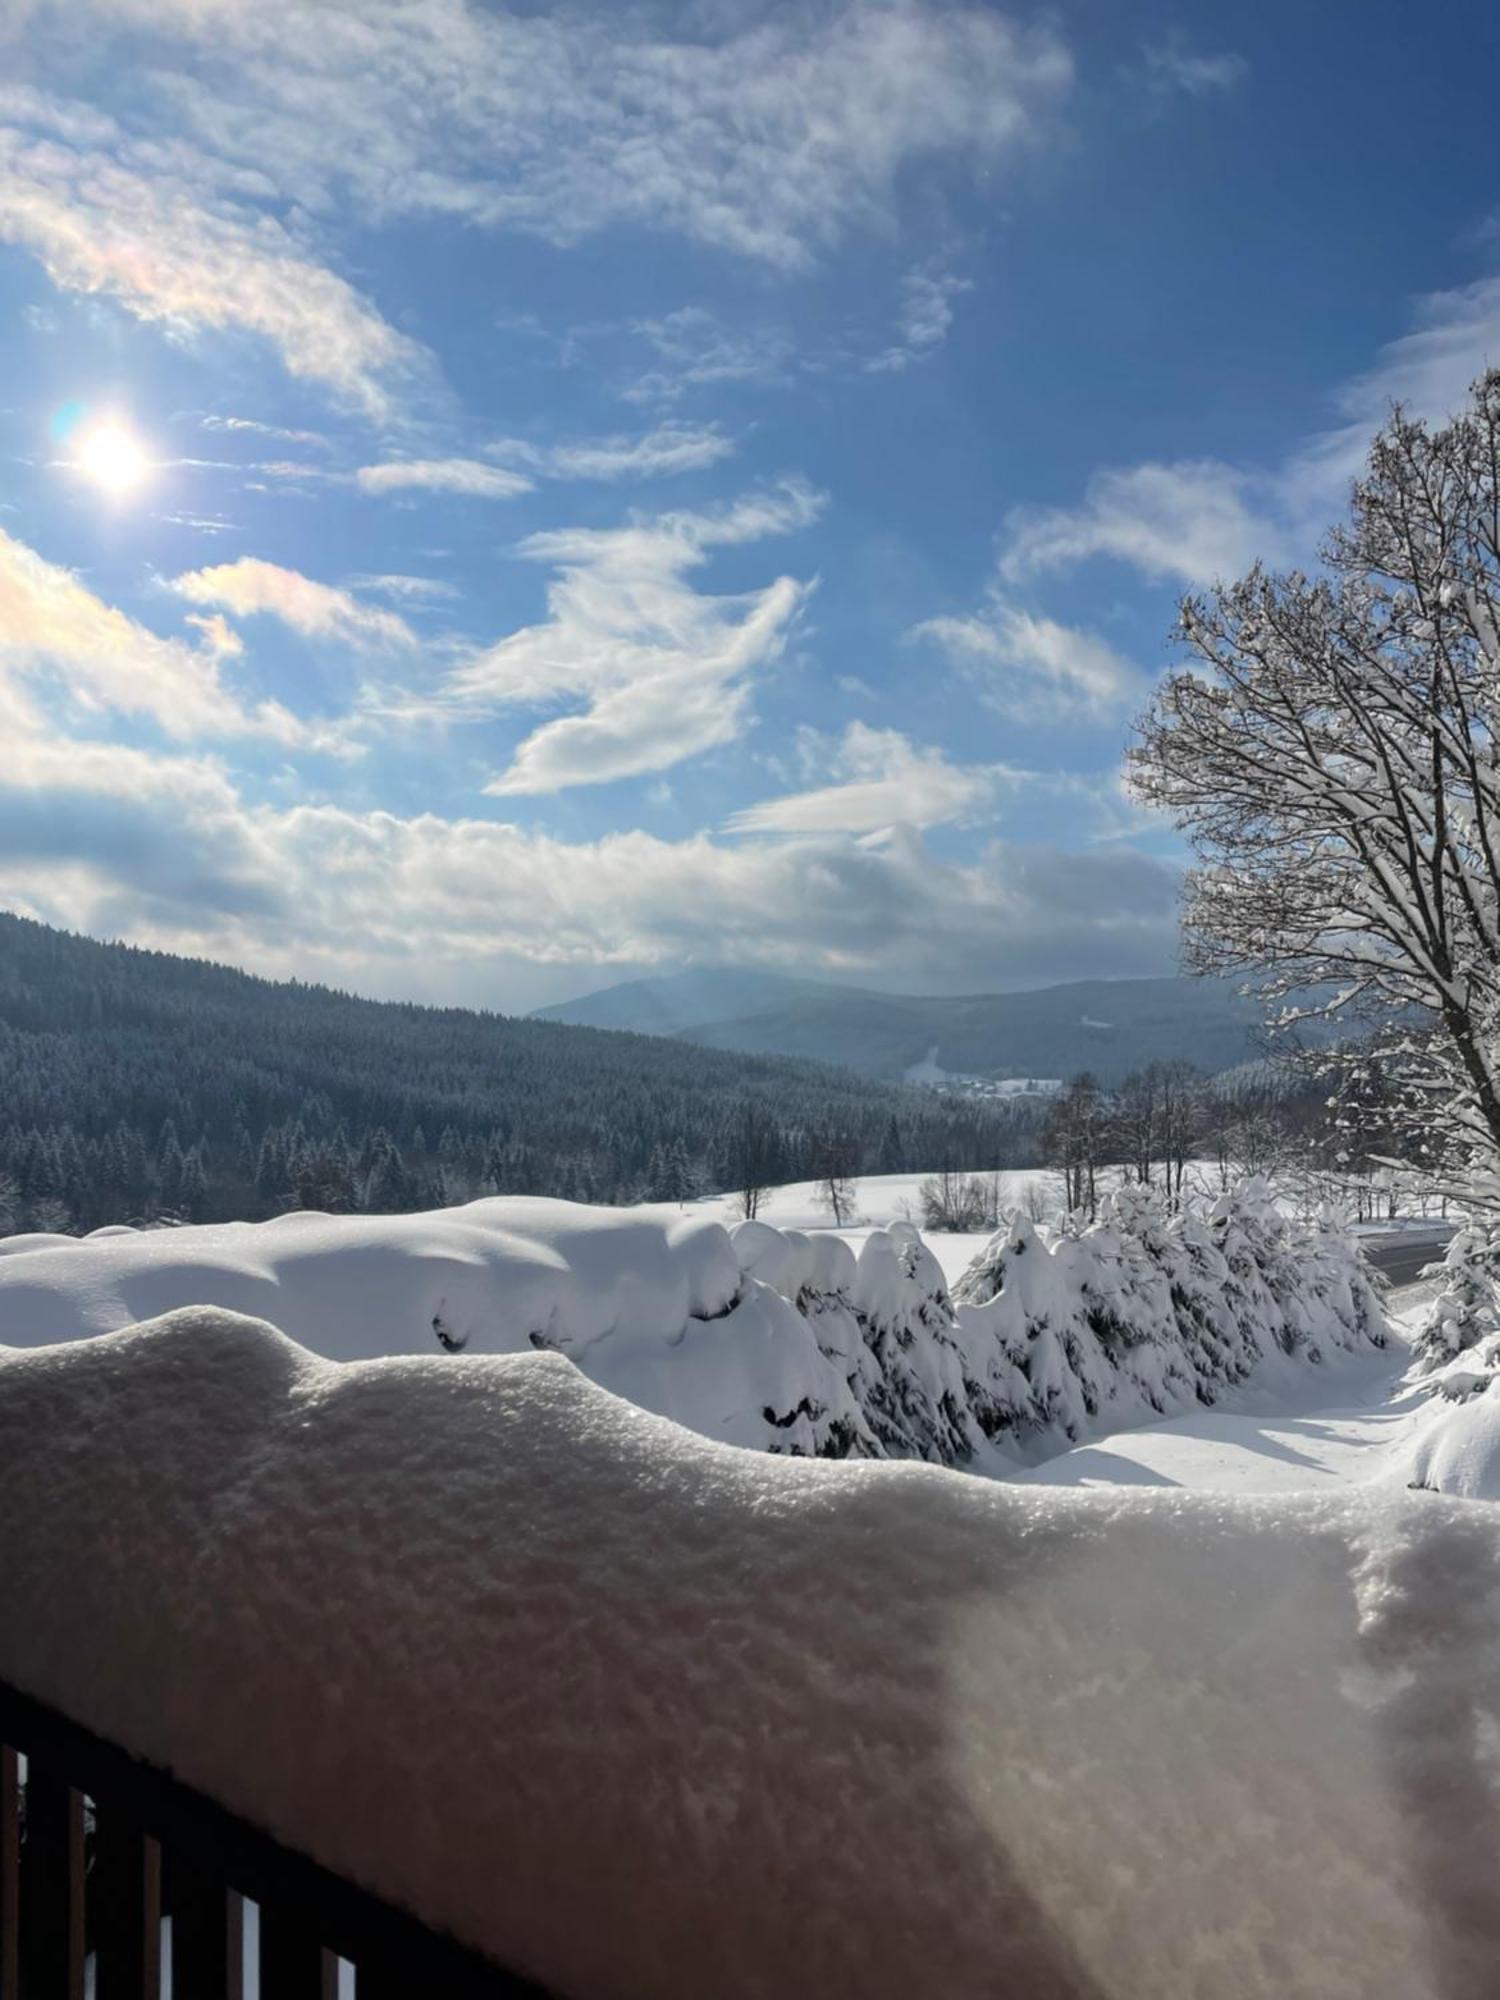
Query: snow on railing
[{"x": 637, "y": 1713}]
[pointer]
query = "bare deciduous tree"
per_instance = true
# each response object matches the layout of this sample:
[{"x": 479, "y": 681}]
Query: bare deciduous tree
[
  {"x": 837, "y": 1155},
  {"x": 1337, "y": 774},
  {"x": 1075, "y": 1141},
  {"x": 956, "y": 1202},
  {"x": 754, "y": 1155}
]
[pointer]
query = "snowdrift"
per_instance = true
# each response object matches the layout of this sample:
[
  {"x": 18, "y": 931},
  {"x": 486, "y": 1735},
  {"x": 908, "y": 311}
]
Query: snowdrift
[
  {"x": 648, "y": 1718},
  {"x": 776, "y": 1339}
]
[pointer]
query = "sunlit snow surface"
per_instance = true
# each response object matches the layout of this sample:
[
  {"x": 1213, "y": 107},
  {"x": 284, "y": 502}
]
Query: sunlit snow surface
[
  {"x": 764, "y": 1334},
  {"x": 644, "y": 1715}
]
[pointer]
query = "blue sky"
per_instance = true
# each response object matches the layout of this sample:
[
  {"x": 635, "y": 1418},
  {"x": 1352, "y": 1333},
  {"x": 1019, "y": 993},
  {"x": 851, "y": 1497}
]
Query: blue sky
[{"x": 495, "y": 500}]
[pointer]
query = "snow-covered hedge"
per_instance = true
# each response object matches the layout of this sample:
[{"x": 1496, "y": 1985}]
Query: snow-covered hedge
[
  {"x": 651, "y": 1719},
  {"x": 1141, "y": 1316},
  {"x": 771, "y": 1338}
]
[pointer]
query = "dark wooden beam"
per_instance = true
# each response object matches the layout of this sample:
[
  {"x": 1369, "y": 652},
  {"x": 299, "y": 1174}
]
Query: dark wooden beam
[
  {"x": 346, "y": 1920},
  {"x": 52, "y": 1868},
  {"x": 125, "y": 1908}
]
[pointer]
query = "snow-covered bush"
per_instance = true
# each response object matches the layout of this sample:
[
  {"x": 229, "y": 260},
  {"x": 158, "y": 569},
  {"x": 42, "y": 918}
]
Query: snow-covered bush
[
  {"x": 1141, "y": 1315},
  {"x": 1467, "y": 1308},
  {"x": 774, "y": 1339},
  {"x": 959, "y": 1203}
]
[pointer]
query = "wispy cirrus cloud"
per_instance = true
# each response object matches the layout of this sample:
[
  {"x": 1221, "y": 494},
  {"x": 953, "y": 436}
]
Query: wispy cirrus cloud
[
  {"x": 1171, "y": 68},
  {"x": 1019, "y": 659},
  {"x": 55, "y": 631},
  {"x": 253, "y": 425},
  {"x": 664, "y": 670},
  {"x": 469, "y": 477},
  {"x": 880, "y": 779},
  {"x": 694, "y": 349},
  {"x": 925, "y": 318},
  {"x": 1189, "y": 522},
  {"x": 1199, "y": 521},
  {"x": 250, "y": 588},
  {"x": 148, "y": 237},
  {"x": 770, "y": 139},
  {"x": 654, "y": 454},
  {"x": 416, "y": 590}
]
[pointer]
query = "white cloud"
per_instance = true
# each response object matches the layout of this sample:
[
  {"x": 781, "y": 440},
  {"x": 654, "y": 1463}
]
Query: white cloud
[
  {"x": 669, "y": 448},
  {"x": 694, "y": 349},
  {"x": 1015, "y": 657},
  {"x": 925, "y": 318},
  {"x": 53, "y": 628},
  {"x": 214, "y": 422},
  {"x": 416, "y": 590},
  {"x": 883, "y": 780},
  {"x": 1197, "y": 521},
  {"x": 769, "y": 137},
  {"x": 1192, "y": 522},
  {"x": 468, "y": 476},
  {"x": 1429, "y": 371},
  {"x": 665, "y": 670},
  {"x": 153, "y": 240},
  {"x": 1168, "y": 68},
  {"x": 465, "y": 907},
  {"x": 249, "y": 588}
]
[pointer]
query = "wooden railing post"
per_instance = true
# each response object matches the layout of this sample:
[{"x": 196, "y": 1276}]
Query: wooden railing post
[
  {"x": 52, "y": 1865},
  {"x": 208, "y": 1941},
  {"x": 293, "y": 1962},
  {"x": 10, "y": 1875},
  {"x": 125, "y": 1906}
]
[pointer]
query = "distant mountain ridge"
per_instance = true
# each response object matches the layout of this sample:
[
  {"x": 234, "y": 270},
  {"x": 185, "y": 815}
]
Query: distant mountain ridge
[{"x": 1108, "y": 1026}]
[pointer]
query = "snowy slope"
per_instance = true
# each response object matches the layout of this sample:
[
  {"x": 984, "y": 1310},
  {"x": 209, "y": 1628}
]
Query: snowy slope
[
  {"x": 1377, "y": 1419},
  {"x": 774, "y": 1338},
  {"x": 649, "y": 1718},
  {"x": 1353, "y": 1422}
]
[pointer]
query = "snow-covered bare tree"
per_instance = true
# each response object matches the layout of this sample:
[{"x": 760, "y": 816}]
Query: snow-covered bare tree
[
  {"x": 1076, "y": 1139},
  {"x": 1336, "y": 772}
]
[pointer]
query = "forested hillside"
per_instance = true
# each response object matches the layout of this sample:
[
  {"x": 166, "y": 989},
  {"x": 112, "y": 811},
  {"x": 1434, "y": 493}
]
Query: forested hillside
[{"x": 135, "y": 1084}]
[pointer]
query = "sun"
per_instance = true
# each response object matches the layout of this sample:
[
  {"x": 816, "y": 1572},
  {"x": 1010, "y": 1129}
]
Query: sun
[{"x": 113, "y": 458}]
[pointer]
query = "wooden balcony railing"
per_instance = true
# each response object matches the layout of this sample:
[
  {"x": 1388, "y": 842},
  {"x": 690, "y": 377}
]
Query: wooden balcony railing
[{"x": 97, "y": 1847}]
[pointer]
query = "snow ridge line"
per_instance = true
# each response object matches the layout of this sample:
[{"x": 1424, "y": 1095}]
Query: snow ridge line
[{"x": 772, "y": 1339}]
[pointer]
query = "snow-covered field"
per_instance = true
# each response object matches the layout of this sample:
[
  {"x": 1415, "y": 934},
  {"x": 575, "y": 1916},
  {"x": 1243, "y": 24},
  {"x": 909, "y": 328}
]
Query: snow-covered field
[
  {"x": 773, "y": 1337},
  {"x": 1353, "y": 1423},
  {"x": 880, "y": 1200},
  {"x": 1200, "y": 1711}
]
